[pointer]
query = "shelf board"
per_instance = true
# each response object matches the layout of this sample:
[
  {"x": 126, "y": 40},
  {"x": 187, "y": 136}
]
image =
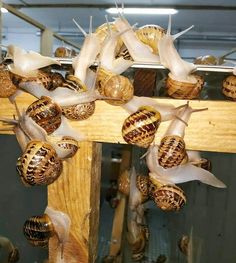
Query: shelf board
[{"x": 205, "y": 68}]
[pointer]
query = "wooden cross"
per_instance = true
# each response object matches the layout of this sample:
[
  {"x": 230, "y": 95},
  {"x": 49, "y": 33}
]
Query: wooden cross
[{"x": 77, "y": 190}]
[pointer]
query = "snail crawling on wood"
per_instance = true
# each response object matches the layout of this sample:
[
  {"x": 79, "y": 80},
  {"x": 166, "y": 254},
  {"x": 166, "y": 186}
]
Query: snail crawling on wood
[
  {"x": 181, "y": 83},
  {"x": 169, "y": 161},
  {"x": 39, "y": 229}
]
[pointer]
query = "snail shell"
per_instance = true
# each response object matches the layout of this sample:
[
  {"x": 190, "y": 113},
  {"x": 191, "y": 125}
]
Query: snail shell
[
  {"x": 64, "y": 52},
  {"x": 46, "y": 113},
  {"x": 114, "y": 86},
  {"x": 142, "y": 183},
  {"x": 183, "y": 244},
  {"x": 229, "y": 87},
  {"x": 74, "y": 83},
  {"x": 80, "y": 111},
  {"x": 150, "y": 35},
  {"x": 184, "y": 90},
  {"x": 203, "y": 163},
  {"x": 124, "y": 183},
  {"x": 70, "y": 144},
  {"x": 57, "y": 80},
  {"x": 138, "y": 256},
  {"x": 172, "y": 151},
  {"x": 169, "y": 197},
  {"x": 7, "y": 88},
  {"x": 39, "y": 164},
  {"x": 38, "y": 230},
  {"x": 146, "y": 232},
  {"x": 206, "y": 60},
  {"x": 140, "y": 127}
]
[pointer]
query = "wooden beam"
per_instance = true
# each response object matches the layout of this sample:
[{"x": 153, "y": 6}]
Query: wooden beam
[
  {"x": 77, "y": 193},
  {"x": 211, "y": 130}
]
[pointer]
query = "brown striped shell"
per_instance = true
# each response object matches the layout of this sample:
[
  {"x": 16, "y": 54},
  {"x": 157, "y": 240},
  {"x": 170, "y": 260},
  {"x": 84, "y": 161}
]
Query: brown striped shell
[
  {"x": 184, "y": 90},
  {"x": 172, "y": 151},
  {"x": 114, "y": 86},
  {"x": 229, "y": 87},
  {"x": 146, "y": 231},
  {"x": 46, "y": 113},
  {"x": 206, "y": 60},
  {"x": 203, "y": 163},
  {"x": 142, "y": 183},
  {"x": 69, "y": 143},
  {"x": 150, "y": 35},
  {"x": 7, "y": 88},
  {"x": 80, "y": 111},
  {"x": 124, "y": 183},
  {"x": 38, "y": 230},
  {"x": 140, "y": 127},
  {"x": 74, "y": 83},
  {"x": 39, "y": 164},
  {"x": 169, "y": 197},
  {"x": 57, "y": 80}
]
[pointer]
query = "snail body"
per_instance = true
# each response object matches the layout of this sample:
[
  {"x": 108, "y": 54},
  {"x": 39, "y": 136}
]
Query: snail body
[
  {"x": 139, "y": 51},
  {"x": 140, "y": 127},
  {"x": 39, "y": 164},
  {"x": 229, "y": 87},
  {"x": 196, "y": 159},
  {"x": 26, "y": 64}
]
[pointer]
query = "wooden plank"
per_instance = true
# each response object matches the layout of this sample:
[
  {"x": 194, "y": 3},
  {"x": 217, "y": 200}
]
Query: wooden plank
[
  {"x": 211, "y": 130},
  {"x": 77, "y": 193}
]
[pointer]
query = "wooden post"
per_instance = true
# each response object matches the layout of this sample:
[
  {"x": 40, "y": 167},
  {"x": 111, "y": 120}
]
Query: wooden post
[{"x": 77, "y": 193}]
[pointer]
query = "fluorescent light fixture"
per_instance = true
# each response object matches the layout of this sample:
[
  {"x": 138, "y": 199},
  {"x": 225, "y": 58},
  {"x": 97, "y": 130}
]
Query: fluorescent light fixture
[
  {"x": 4, "y": 10},
  {"x": 143, "y": 11}
]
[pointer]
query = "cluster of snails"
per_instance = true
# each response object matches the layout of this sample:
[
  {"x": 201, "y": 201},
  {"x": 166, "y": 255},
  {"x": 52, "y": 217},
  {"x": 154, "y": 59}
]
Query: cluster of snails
[{"x": 46, "y": 137}]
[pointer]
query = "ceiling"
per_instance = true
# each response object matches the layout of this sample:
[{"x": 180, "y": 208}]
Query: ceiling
[{"x": 215, "y": 20}]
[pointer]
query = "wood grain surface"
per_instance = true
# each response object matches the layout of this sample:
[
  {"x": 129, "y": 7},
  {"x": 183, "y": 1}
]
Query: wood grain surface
[{"x": 211, "y": 130}]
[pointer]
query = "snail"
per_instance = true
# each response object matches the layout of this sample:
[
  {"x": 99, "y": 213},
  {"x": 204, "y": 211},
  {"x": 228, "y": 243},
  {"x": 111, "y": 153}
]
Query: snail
[
  {"x": 39, "y": 164},
  {"x": 124, "y": 183},
  {"x": 180, "y": 76},
  {"x": 206, "y": 60},
  {"x": 109, "y": 81},
  {"x": 39, "y": 229},
  {"x": 7, "y": 87},
  {"x": 142, "y": 183},
  {"x": 229, "y": 87},
  {"x": 140, "y": 127},
  {"x": 183, "y": 244},
  {"x": 26, "y": 64},
  {"x": 171, "y": 151},
  {"x": 167, "y": 197},
  {"x": 139, "y": 51},
  {"x": 179, "y": 174},
  {"x": 64, "y": 52}
]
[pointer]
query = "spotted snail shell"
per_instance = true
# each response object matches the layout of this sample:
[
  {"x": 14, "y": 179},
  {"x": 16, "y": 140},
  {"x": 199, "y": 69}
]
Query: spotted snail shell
[
  {"x": 124, "y": 183},
  {"x": 169, "y": 197},
  {"x": 150, "y": 35},
  {"x": 38, "y": 230},
  {"x": 142, "y": 183},
  {"x": 140, "y": 127},
  {"x": 46, "y": 113},
  {"x": 7, "y": 88},
  {"x": 172, "y": 151},
  {"x": 184, "y": 90},
  {"x": 69, "y": 143},
  {"x": 114, "y": 86},
  {"x": 79, "y": 112},
  {"x": 229, "y": 87},
  {"x": 39, "y": 164}
]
